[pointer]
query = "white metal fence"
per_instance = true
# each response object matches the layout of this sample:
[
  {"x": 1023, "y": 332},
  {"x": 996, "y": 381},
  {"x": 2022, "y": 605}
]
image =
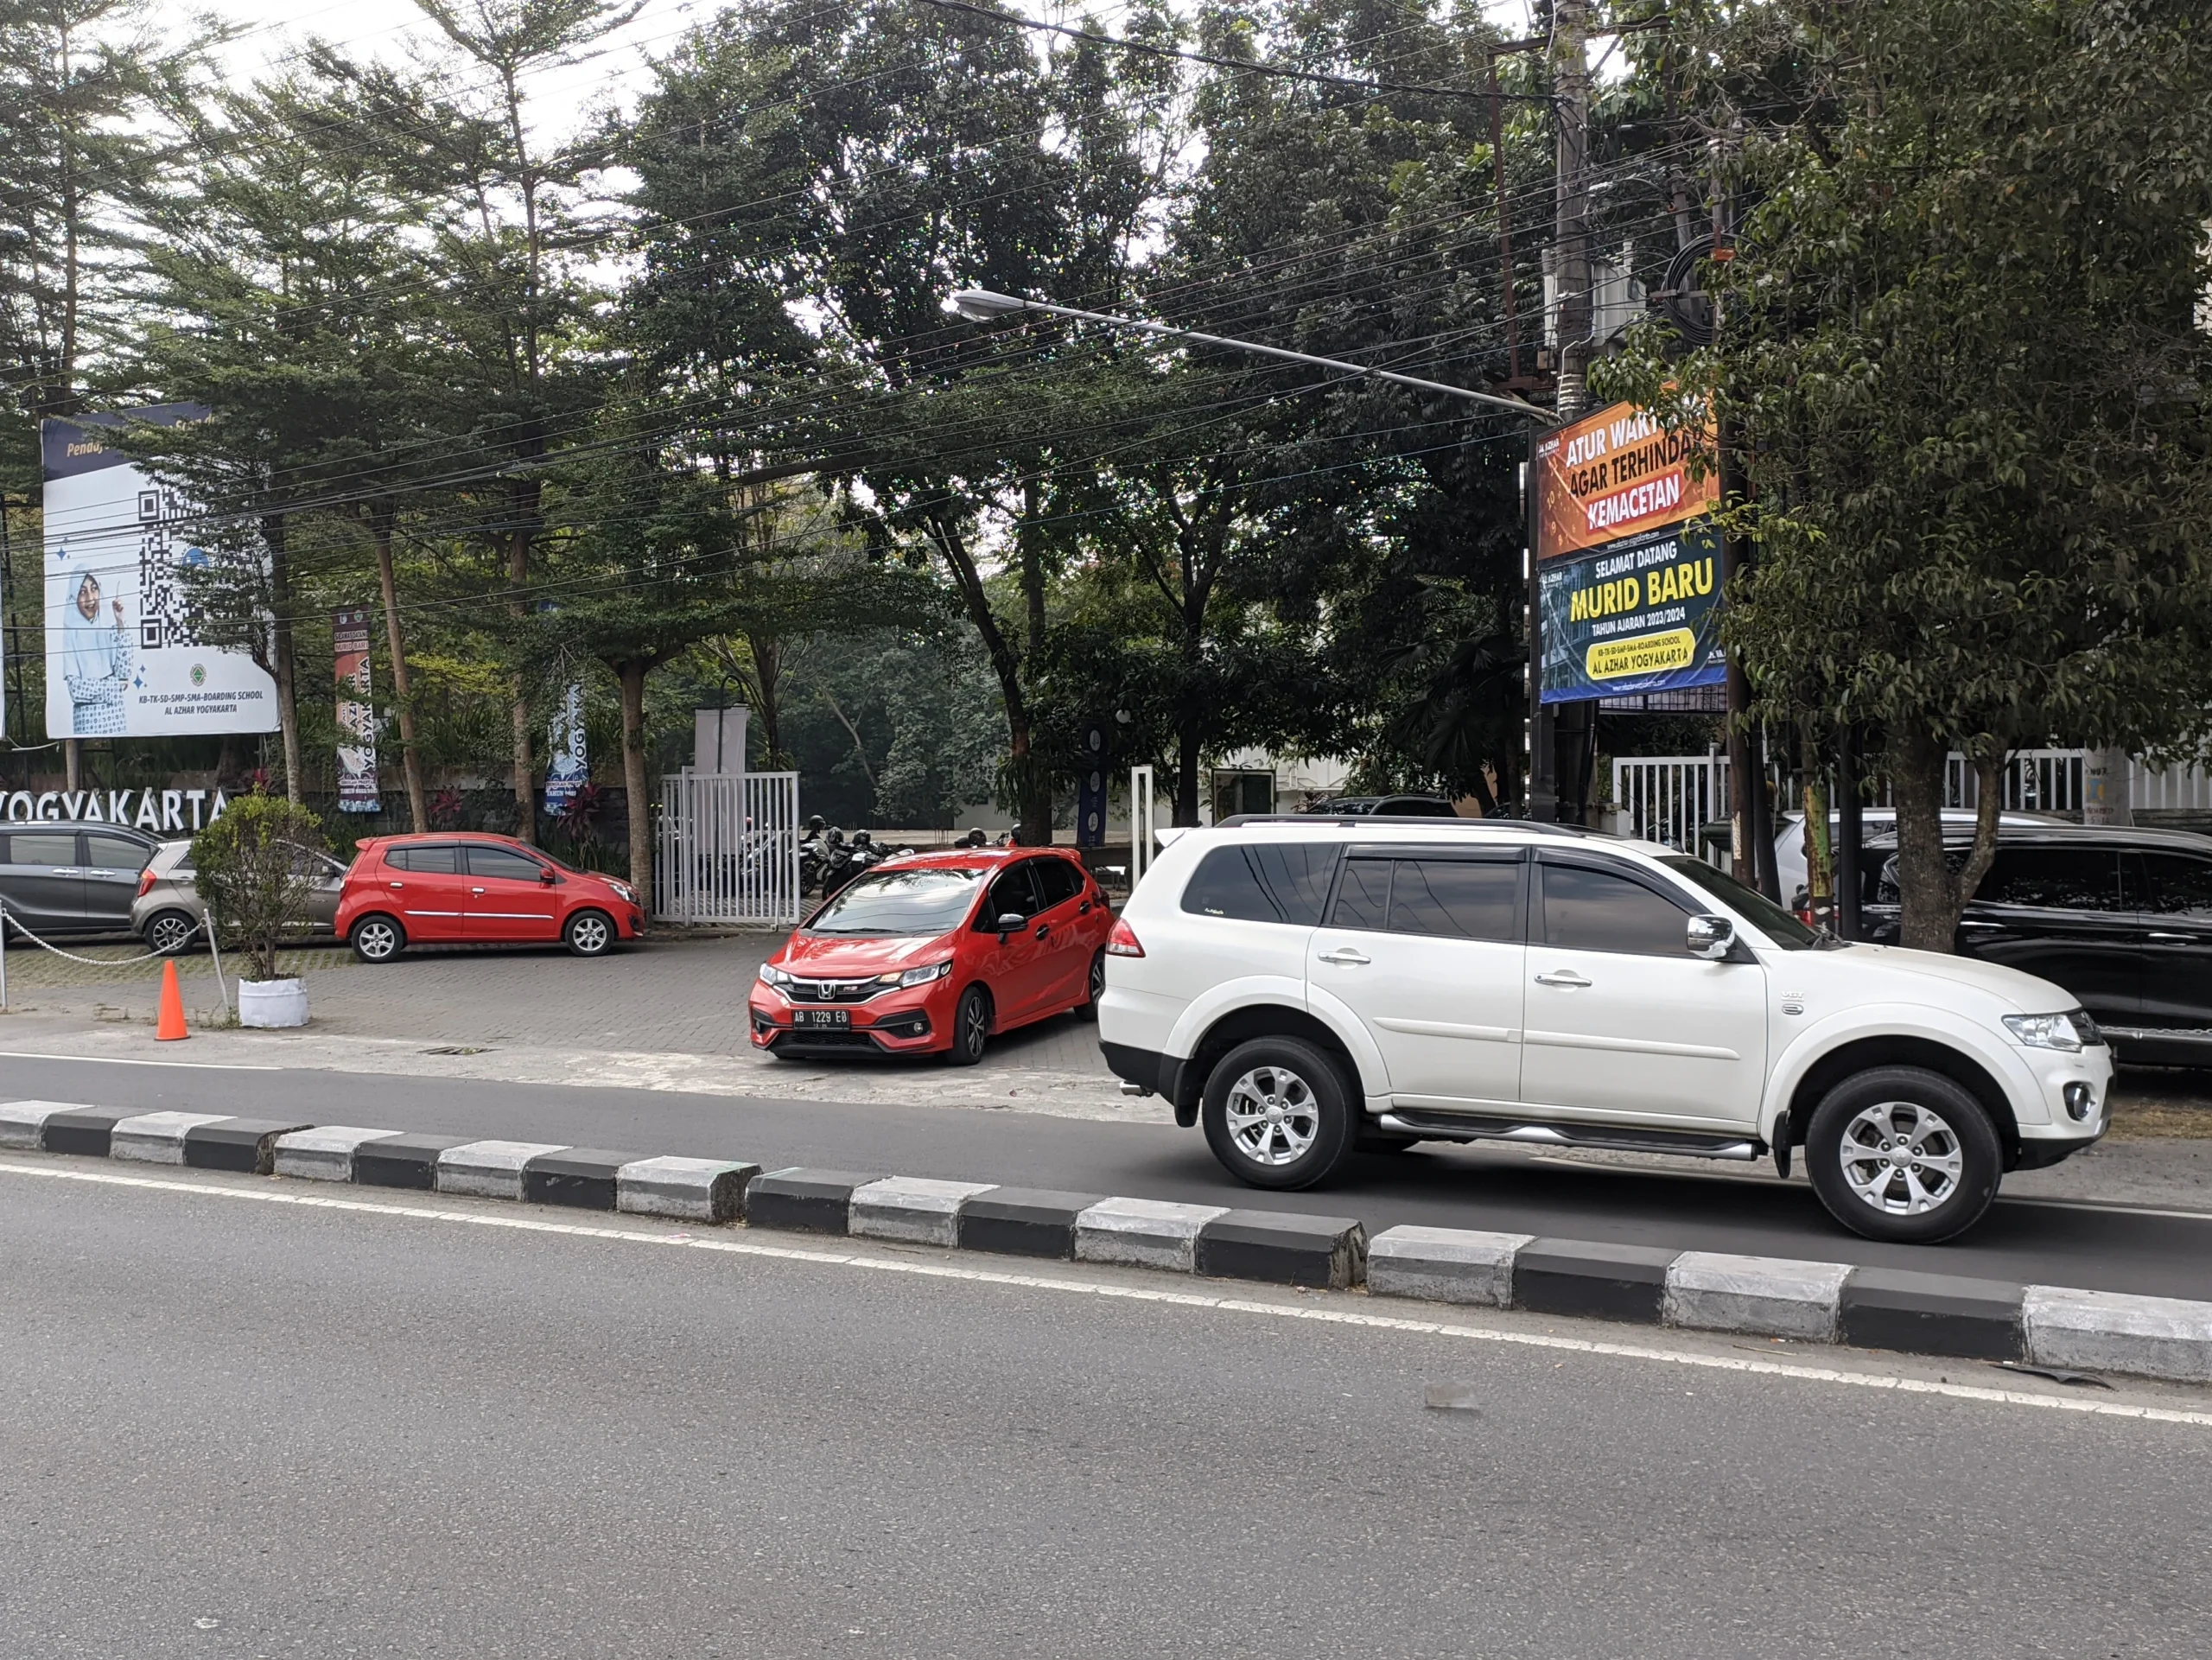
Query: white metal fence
[
  {"x": 2169, "y": 789},
  {"x": 1670, "y": 798},
  {"x": 728, "y": 849}
]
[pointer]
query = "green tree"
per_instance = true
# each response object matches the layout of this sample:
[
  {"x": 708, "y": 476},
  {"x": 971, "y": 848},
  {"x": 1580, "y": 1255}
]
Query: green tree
[
  {"x": 279, "y": 296},
  {"x": 256, "y": 872},
  {"x": 1961, "y": 364},
  {"x": 509, "y": 231},
  {"x": 817, "y": 181}
]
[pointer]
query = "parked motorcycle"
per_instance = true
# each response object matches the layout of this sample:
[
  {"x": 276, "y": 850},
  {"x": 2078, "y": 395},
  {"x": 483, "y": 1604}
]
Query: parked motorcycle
[{"x": 811, "y": 856}]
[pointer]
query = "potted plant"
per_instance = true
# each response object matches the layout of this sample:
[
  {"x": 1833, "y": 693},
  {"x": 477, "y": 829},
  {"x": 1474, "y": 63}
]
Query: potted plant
[{"x": 255, "y": 874}]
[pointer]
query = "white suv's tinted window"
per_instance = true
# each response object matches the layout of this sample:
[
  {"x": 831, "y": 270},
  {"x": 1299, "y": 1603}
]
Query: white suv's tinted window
[
  {"x": 1265, "y": 881},
  {"x": 1597, "y": 911},
  {"x": 1364, "y": 896},
  {"x": 1459, "y": 898}
]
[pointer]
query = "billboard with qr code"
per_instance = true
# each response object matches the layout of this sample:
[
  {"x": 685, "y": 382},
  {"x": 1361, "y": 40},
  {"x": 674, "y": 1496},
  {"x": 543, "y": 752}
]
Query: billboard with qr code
[{"x": 123, "y": 657}]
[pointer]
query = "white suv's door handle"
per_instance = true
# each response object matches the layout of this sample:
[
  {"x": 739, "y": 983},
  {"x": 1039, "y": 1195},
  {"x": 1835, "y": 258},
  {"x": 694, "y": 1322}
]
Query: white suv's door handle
[
  {"x": 2177, "y": 939},
  {"x": 1345, "y": 956},
  {"x": 1561, "y": 978}
]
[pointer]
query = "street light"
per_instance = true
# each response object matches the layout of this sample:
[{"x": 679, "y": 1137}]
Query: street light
[{"x": 981, "y": 305}]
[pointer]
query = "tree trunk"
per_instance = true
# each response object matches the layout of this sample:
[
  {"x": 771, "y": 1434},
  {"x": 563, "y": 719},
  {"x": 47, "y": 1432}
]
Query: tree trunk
[
  {"x": 767, "y": 696},
  {"x": 283, "y": 666},
  {"x": 1035, "y": 805},
  {"x": 1188, "y": 748},
  {"x": 1005, "y": 664},
  {"x": 1930, "y": 895},
  {"x": 1819, "y": 866},
  {"x": 418, "y": 812},
  {"x": 631, "y": 673},
  {"x": 526, "y": 502}
]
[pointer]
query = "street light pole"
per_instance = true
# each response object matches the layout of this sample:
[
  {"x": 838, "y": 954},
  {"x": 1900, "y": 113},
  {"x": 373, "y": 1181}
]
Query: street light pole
[{"x": 982, "y": 305}]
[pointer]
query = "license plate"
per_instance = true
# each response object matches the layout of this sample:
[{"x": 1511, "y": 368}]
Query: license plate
[{"x": 821, "y": 1017}]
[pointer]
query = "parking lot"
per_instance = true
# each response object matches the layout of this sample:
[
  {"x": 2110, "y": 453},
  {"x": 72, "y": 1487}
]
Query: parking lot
[{"x": 672, "y": 1007}]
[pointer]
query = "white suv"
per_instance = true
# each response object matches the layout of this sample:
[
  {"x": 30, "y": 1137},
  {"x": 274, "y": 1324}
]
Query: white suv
[{"x": 1306, "y": 988}]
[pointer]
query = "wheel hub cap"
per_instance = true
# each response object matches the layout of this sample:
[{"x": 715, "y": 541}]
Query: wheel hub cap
[
  {"x": 1273, "y": 1115},
  {"x": 1901, "y": 1158}
]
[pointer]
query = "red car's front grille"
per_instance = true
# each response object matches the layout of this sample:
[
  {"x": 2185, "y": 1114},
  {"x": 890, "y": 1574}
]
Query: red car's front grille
[{"x": 831, "y": 991}]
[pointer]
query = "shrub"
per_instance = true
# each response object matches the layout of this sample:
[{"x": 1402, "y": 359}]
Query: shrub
[{"x": 257, "y": 873}]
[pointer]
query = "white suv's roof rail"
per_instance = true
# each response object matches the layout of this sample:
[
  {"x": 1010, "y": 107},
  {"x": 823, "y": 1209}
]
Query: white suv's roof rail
[{"x": 1360, "y": 821}]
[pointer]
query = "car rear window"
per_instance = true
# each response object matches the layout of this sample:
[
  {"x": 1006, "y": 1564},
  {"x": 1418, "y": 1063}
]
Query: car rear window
[
  {"x": 104, "y": 852},
  {"x": 439, "y": 861},
  {"x": 1263, "y": 881},
  {"x": 505, "y": 862}
]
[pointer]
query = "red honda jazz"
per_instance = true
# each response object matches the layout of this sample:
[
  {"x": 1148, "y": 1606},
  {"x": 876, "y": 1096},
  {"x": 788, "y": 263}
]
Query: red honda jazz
[
  {"x": 932, "y": 953},
  {"x": 476, "y": 888}
]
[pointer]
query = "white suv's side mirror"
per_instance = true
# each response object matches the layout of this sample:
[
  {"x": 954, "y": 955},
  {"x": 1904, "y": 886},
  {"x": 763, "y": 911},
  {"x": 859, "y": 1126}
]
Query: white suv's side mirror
[{"x": 1711, "y": 936}]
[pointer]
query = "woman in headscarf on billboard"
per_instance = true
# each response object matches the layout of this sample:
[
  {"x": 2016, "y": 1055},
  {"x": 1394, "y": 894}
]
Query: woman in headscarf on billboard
[{"x": 96, "y": 663}]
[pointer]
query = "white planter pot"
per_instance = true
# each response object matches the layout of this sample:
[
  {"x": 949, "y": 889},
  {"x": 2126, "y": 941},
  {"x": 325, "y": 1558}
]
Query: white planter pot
[{"x": 272, "y": 1002}]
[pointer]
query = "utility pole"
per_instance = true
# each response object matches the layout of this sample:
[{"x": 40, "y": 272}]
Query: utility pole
[
  {"x": 1571, "y": 226},
  {"x": 11, "y": 640},
  {"x": 1557, "y": 731}
]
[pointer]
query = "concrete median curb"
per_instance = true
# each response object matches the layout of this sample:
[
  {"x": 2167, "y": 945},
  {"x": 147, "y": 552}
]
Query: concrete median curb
[{"x": 1765, "y": 1296}]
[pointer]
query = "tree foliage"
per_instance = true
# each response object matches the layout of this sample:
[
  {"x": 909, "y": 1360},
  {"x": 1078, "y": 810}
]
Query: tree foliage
[{"x": 1960, "y": 369}]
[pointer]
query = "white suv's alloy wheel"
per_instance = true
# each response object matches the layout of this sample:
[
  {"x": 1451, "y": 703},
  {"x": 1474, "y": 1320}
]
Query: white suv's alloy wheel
[
  {"x": 1901, "y": 1158},
  {"x": 1273, "y": 1117}
]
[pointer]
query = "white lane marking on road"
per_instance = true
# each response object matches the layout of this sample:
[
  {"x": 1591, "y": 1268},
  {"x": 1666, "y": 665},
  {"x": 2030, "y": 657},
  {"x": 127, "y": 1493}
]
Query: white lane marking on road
[
  {"x": 743, "y": 1247},
  {"x": 126, "y": 1060}
]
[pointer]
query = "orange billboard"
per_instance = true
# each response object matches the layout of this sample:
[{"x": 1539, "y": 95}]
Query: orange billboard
[{"x": 1616, "y": 473}]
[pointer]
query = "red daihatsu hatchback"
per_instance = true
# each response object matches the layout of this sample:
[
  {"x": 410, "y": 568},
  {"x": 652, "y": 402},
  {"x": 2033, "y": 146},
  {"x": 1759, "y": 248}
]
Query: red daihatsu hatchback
[
  {"x": 477, "y": 889},
  {"x": 932, "y": 953}
]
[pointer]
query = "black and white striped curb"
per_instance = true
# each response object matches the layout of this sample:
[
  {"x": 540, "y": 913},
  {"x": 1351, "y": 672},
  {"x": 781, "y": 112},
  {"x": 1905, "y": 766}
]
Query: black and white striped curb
[{"x": 1767, "y": 1296}]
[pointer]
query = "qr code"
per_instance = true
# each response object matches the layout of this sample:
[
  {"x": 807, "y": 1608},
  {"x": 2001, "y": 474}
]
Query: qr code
[{"x": 164, "y": 613}]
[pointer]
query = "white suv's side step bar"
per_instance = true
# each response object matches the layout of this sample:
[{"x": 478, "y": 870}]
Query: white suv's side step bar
[{"x": 1456, "y": 1127}]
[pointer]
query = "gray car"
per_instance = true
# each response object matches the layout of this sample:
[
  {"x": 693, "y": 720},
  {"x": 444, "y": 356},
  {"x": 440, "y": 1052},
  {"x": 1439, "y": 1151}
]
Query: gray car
[
  {"x": 58, "y": 877},
  {"x": 168, "y": 914}
]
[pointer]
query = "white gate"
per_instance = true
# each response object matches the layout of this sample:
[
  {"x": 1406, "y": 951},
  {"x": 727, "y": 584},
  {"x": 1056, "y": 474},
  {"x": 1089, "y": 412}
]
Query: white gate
[
  {"x": 1669, "y": 799},
  {"x": 728, "y": 849}
]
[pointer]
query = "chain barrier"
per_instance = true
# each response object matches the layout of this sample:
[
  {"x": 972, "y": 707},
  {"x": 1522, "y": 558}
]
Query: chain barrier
[
  {"x": 9, "y": 920},
  {"x": 6, "y": 921}
]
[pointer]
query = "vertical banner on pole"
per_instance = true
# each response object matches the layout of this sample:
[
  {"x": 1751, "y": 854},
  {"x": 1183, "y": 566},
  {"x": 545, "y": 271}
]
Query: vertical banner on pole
[
  {"x": 357, "y": 719},
  {"x": 1091, "y": 793},
  {"x": 568, "y": 767}
]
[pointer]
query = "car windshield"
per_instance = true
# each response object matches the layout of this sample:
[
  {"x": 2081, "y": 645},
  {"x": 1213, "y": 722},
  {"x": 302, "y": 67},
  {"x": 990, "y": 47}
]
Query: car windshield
[
  {"x": 1753, "y": 906},
  {"x": 923, "y": 902}
]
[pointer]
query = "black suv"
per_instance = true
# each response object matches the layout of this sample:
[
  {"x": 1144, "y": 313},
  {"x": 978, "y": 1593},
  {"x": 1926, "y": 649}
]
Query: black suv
[
  {"x": 1385, "y": 806},
  {"x": 58, "y": 877},
  {"x": 2120, "y": 917}
]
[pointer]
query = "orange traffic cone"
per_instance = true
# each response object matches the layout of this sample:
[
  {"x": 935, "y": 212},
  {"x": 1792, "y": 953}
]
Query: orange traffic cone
[{"x": 171, "y": 1024}]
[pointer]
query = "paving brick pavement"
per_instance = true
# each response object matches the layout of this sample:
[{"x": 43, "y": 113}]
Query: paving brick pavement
[{"x": 668, "y": 997}]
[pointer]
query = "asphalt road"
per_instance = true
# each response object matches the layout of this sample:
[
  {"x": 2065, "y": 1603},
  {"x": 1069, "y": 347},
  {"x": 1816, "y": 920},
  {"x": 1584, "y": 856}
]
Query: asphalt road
[
  {"x": 1700, "y": 1208},
  {"x": 241, "y": 1428}
]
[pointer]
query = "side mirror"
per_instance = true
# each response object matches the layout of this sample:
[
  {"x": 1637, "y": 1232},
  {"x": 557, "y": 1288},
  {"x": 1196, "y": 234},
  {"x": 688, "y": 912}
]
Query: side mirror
[
  {"x": 1711, "y": 937},
  {"x": 545, "y": 875},
  {"x": 1010, "y": 922}
]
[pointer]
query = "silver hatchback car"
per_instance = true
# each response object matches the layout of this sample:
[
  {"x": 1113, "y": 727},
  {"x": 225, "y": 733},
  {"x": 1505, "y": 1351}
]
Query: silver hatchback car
[{"x": 167, "y": 913}]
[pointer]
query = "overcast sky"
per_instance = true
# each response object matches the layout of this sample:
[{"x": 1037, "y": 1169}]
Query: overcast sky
[{"x": 384, "y": 28}]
